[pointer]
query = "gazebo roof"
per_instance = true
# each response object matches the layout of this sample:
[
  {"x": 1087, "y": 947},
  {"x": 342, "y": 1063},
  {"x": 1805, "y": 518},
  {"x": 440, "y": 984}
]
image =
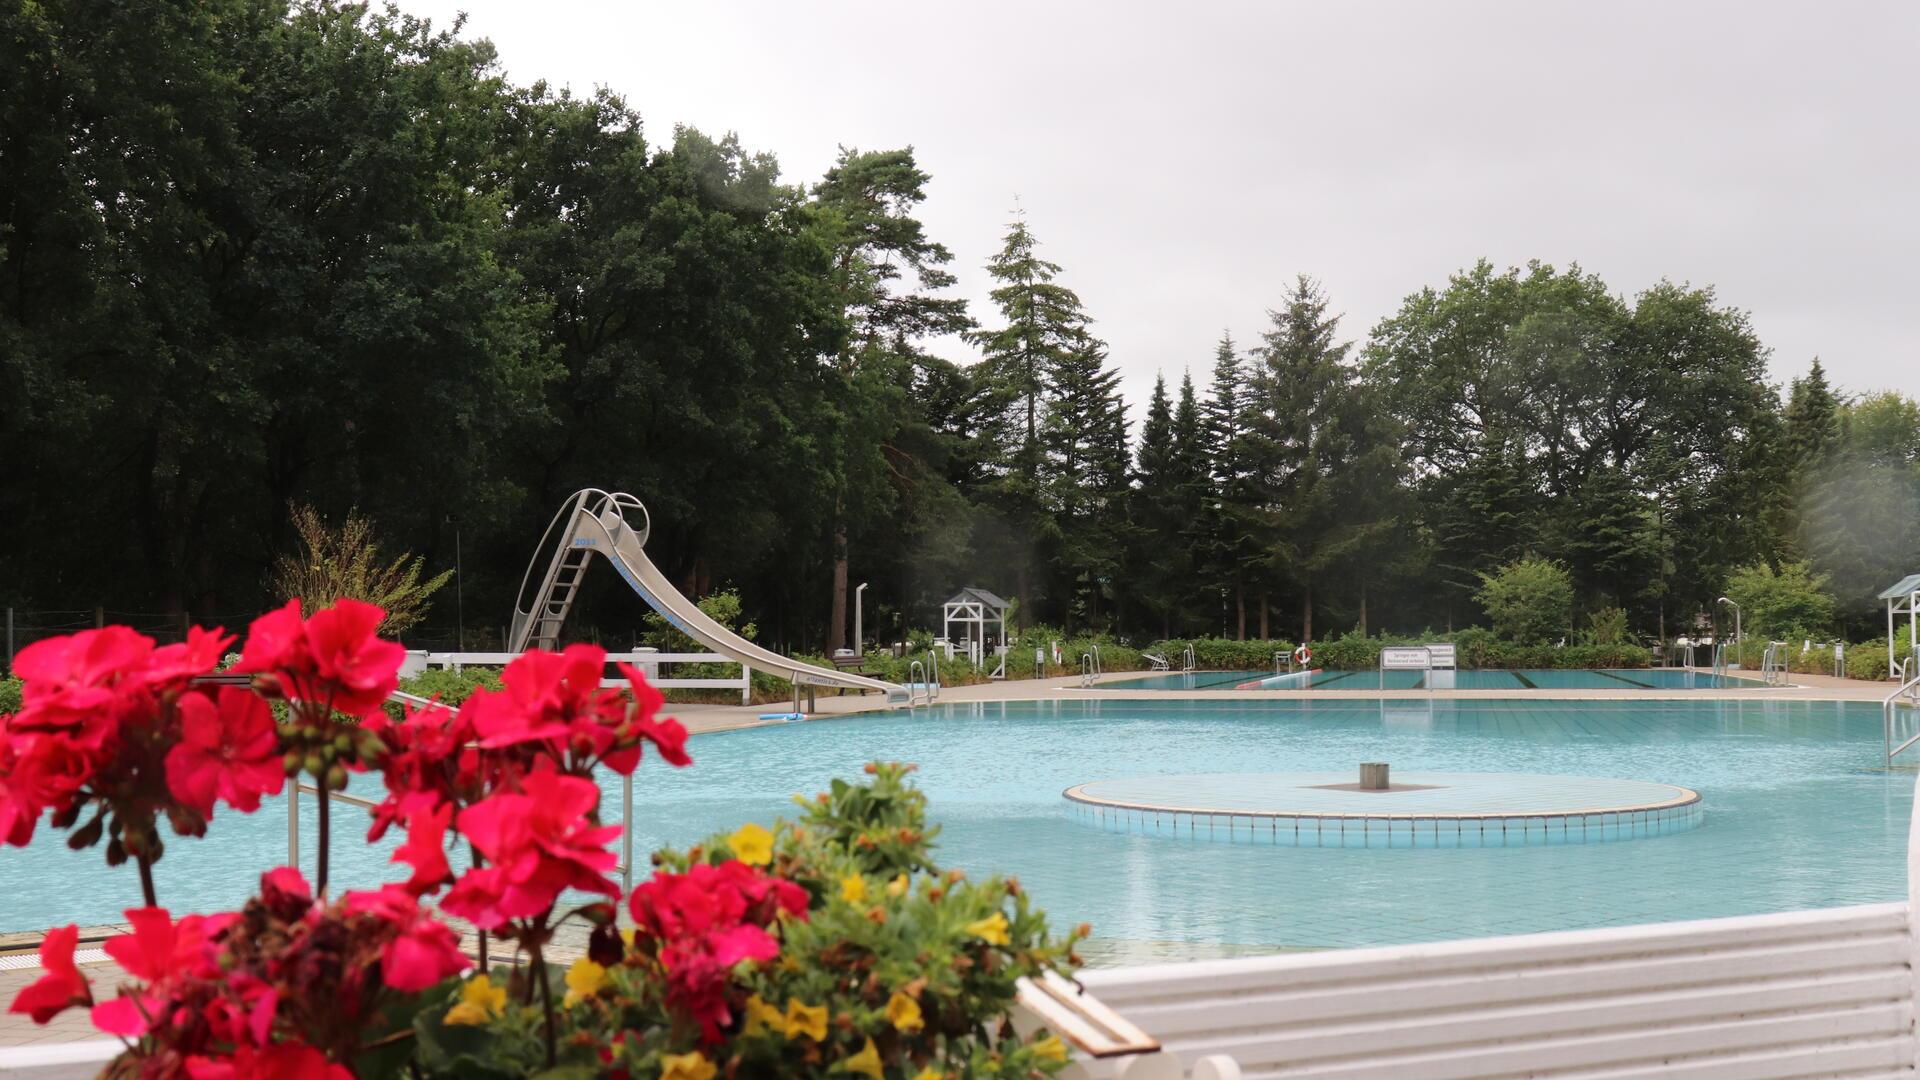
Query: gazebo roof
[
  {"x": 973, "y": 595},
  {"x": 1906, "y": 586}
]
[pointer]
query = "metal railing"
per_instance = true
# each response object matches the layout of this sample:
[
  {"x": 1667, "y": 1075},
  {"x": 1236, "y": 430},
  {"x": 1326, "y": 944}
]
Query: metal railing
[
  {"x": 1098, "y": 669},
  {"x": 1283, "y": 663},
  {"x": 1187, "y": 661},
  {"x": 917, "y": 683},
  {"x": 1086, "y": 669},
  {"x": 1890, "y": 711},
  {"x": 1719, "y": 664}
]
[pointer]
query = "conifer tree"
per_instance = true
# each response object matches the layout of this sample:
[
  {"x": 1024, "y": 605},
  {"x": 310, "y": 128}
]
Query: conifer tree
[
  {"x": 1044, "y": 332},
  {"x": 886, "y": 274}
]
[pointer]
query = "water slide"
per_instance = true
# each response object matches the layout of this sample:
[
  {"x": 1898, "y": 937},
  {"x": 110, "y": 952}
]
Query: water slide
[{"x": 599, "y": 522}]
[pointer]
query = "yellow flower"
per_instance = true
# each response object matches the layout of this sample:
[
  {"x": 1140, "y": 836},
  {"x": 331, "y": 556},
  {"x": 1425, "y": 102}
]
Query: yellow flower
[
  {"x": 929, "y": 1073},
  {"x": 904, "y": 1013},
  {"x": 752, "y": 844},
  {"x": 866, "y": 1062},
  {"x": 853, "y": 889},
  {"x": 689, "y": 1066},
  {"x": 763, "y": 1017},
  {"x": 992, "y": 929},
  {"x": 1050, "y": 1049},
  {"x": 584, "y": 979},
  {"x": 480, "y": 1001},
  {"x": 808, "y": 1020},
  {"x": 897, "y": 887}
]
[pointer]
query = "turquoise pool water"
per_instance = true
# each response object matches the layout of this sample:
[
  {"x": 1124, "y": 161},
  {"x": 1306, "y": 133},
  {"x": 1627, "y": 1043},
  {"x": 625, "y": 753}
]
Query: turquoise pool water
[
  {"x": 1799, "y": 814},
  {"x": 1491, "y": 679}
]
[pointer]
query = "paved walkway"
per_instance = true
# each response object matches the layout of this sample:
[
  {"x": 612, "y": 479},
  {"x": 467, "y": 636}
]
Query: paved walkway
[{"x": 19, "y": 1031}]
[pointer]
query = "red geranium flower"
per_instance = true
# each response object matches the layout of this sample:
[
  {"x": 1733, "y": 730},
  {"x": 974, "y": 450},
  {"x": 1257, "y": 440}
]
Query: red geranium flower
[
  {"x": 229, "y": 750},
  {"x": 335, "y": 657},
  {"x": 422, "y": 951},
  {"x": 425, "y": 849},
  {"x": 61, "y": 987},
  {"x": 539, "y": 844}
]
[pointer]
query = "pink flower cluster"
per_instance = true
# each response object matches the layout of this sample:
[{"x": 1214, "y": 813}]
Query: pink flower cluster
[
  {"x": 289, "y": 985},
  {"x": 699, "y": 924},
  {"x": 110, "y": 720},
  {"x": 278, "y": 988}
]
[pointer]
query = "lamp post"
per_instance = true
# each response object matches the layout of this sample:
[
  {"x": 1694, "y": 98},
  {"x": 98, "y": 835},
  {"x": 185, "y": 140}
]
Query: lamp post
[
  {"x": 459, "y": 590},
  {"x": 859, "y": 637},
  {"x": 1736, "y": 623}
]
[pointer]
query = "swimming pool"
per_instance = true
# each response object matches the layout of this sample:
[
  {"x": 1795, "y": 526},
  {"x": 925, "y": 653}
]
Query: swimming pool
[
  {"x": 1485, "y": 679},
  {"x": 1798, "y": 814}
]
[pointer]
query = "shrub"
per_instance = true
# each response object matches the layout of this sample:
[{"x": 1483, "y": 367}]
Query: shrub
[
  {"x": 1608, "y": 626},
  {"x": 345, "y": 563},
  {"x": 451, "y": 687},
  {"x": 1530, "y": 600},
  {"x": 1226, "y": 654},
  {"x": 1785, "y": 606},
  {"x": 10, "y": 695},
  {"x": 1869, "y": 661}
]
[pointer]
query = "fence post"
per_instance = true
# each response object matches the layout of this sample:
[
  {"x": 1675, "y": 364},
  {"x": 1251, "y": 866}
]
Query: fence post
[{"x": 746, "y": 685}]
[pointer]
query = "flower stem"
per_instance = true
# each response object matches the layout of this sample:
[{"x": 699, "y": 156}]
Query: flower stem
[
  {"x": 320, "y": 872},
  {"x": 539, "y": 967},
  {"x": 146, "y": 879}
]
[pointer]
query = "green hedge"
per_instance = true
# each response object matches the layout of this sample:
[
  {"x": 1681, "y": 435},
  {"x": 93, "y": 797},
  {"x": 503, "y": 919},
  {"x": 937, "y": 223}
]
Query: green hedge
[
  {"x": 1475, "y": 648},
  {"x": 10, "y": 695}
]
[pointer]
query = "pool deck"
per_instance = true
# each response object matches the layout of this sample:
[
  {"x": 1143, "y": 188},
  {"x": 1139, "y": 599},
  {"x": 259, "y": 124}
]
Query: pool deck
[{"x": 74, "y": 1025}]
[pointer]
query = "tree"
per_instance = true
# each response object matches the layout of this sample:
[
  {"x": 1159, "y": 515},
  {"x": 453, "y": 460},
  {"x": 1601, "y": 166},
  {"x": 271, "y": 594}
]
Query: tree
[
  {"x": 1045, "y": 329},
  {"x": 1790, "y": 602},
  {"x": 1085, "y": 481},
  {"x": 1859, "y": 507},
  {"x": 1529, "y": 600},
  {"x": 1306, "y": 444},
  {"x": 885, "y": 274},
  {"x": 1235, "y": 544}
]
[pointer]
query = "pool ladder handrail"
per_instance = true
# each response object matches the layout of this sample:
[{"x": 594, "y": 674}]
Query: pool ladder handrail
[
  {"x": 1086, "y": 669},
  {"x": 1773, "y": 664},
  {"x": 917, "y": 684},
  {"x": 1283, "y": 657},
  {"x": 1188, "y": 663},
  {"x": 1890, "y": 707}
]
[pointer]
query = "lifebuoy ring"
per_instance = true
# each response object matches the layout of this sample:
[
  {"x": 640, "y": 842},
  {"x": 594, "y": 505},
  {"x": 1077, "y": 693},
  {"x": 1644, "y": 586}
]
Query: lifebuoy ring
[{"x": 1302, "y": 655}]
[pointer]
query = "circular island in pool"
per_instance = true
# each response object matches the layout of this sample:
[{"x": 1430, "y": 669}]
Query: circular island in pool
[{"x": 1417, "y": 810}]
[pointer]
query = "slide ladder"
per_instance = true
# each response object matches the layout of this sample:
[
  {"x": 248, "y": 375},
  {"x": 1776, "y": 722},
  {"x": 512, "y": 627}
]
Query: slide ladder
[{"x": 616, "y": 525}]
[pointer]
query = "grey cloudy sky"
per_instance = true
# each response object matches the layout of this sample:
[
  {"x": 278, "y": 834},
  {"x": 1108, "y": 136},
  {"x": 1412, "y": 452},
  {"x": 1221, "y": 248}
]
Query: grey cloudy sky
[{"x": 1184, "y": 161}]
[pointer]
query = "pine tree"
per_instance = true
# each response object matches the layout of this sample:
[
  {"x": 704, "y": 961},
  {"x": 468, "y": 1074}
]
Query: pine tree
[
  {"x": 1813, "y": 418},
  {"x": 885, "y": 274},
  {"x": 1296, "y": 443},
  {"x": 1230, "y": 546},
  {"x": 1044, "y": 334}
]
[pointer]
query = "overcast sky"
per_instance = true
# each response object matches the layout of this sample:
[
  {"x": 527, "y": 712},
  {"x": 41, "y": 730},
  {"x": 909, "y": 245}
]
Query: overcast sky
[{"x": 1183, "y": 161}]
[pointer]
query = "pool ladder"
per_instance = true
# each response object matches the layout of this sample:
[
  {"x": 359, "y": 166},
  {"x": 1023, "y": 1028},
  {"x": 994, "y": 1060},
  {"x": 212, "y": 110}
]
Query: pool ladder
[
  {"x": 1773, "y": 664},
  {"x": 1187, "y": 661},
  {"x": 1900, "y": 712},
  {"x": 1090, "y": 666},
  {"x": 926, "y": 686}
]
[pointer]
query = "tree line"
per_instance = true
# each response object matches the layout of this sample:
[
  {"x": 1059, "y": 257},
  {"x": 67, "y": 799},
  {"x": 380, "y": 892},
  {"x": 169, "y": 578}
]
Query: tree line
[{"x": 257, "y": 255}]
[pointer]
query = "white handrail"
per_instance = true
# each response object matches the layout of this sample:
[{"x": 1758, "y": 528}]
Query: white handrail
[
  {"x": 1889, "y": 708},
  {"x": 1086, "y": 669},
  {"x": 1187, "y": 661}
]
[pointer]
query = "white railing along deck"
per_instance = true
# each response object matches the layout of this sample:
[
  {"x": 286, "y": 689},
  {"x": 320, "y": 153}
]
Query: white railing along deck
[{"x": 646, "y": 660}]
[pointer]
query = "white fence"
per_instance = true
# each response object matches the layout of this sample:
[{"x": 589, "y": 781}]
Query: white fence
[{"x": 647, "y": 660}]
